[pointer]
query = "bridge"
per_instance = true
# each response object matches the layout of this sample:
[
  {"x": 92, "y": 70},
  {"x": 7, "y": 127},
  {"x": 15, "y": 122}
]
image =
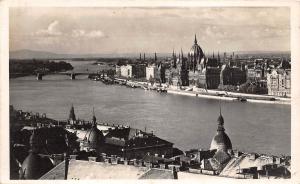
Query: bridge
[{"x": 72, "y": 75}]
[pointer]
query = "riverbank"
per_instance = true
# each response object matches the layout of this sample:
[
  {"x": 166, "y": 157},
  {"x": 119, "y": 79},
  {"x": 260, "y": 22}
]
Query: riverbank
[
  {"x": 230, "y": 96},
  {"x": 203, "y": 93}
]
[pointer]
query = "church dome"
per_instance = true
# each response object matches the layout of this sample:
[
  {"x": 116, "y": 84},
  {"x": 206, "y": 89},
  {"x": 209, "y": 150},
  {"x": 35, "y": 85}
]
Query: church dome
[
  {"x": 34, "y": 166},
  {"x": 94, "y": 137},
  {"x": 221, "y": 140}
]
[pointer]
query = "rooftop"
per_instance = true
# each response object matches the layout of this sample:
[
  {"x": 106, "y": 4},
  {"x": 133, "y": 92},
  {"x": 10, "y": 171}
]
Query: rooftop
[{"x": 81, "y": 170}]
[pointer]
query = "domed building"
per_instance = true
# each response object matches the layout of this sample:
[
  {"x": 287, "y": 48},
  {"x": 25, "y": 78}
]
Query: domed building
[
  {"x": 34, "y": 166},
  {"x": 203, "y": 72},
  {"x": 221, "y": 140},
  {"x": 94, "y": 139},
  {"x": 195, "y": 56}
]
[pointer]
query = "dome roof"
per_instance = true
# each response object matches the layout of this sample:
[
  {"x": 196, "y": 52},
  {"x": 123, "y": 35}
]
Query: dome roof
[
  {"x": 94, "y": 137},
  {"x": 34, "y": 166},
  {"x": 196, "y": 50},
  {"x": 221, "y": 140}
]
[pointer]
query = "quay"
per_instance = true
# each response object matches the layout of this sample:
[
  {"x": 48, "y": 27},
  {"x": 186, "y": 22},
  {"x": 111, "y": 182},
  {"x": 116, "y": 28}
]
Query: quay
[
  {"x": 230, "y": 96},
  {"x": 200, "y": 92}
]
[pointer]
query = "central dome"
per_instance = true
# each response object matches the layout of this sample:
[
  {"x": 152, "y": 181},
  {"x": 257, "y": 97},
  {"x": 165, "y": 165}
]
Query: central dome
[
  {"x": 196, "y": 51},
  {"x": 221, "y": 140}
]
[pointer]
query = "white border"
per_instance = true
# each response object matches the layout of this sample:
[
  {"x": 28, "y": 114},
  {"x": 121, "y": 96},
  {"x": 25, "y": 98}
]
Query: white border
[{"x": 4, "y": 82}]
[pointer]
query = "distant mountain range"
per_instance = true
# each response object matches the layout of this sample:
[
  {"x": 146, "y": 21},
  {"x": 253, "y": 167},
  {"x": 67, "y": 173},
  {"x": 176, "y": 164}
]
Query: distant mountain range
[{"x": 34, "y": 54}]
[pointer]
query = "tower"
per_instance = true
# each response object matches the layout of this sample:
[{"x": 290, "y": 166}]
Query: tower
[
  {"x": 184, "y": 72},
  {"x": 72, "y": 116},
  {"x": 174, "y": 59},
  {"x": 221, "y": 140}
]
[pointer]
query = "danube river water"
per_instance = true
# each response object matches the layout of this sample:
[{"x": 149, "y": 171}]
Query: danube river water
[{"x": 188, "y": 122}]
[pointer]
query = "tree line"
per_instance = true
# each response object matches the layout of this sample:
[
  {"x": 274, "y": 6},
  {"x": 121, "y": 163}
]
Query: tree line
[{"x": 32, "y": 66}]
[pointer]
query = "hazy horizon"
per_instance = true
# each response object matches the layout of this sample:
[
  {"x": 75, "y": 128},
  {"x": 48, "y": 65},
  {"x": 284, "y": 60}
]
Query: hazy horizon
[{"x": 149, "y": 30}]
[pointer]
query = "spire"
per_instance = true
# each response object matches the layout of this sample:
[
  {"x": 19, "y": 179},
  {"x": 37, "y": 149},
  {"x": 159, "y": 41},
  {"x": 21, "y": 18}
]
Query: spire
[
  {"x": 181, "y": 54},
  {"x": 94, "y": 117},
  {"x": 72, "y": 113},
  {"x": 140, "y": 56},
  {"x": 213, "y": 54},
  {"x": 220, "y": 107},
  {"x": 144, "y": 56},
  {"x": 219, "y": 57},
  {"x": 220, "y": 119},
  {"x": 195, "y": 41},
  {"x": 174, "y": 59},
  {"x": 155, "y": 57}
]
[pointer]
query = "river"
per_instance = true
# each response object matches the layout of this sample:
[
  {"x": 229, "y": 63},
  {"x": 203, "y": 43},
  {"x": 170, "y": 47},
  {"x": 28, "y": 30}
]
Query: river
[{"x": 188, "y": 122}]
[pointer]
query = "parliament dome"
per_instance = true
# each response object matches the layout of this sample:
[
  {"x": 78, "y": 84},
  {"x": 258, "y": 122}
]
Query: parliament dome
[
  {"x": 196, "y": 51},
  {"x": 221, "y": 141}
]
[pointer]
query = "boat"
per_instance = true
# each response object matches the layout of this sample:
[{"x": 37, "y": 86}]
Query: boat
[{"x": 242, "y": 99}]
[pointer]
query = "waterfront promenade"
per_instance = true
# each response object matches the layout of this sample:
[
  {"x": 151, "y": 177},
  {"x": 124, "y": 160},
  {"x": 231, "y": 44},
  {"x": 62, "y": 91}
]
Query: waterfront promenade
[
  {"x": 212, "y": 94},
  {"x": 231, "y": 96}
]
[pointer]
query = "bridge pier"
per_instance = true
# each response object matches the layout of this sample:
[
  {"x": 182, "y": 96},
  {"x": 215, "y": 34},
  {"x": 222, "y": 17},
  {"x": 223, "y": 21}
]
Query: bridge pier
[
  {"x": 39, "y": 76},
  {"x": 72, "y": 76}
]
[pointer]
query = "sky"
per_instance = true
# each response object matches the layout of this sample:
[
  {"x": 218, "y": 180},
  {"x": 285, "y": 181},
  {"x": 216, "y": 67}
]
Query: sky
[{"x": 87, "y": 30}]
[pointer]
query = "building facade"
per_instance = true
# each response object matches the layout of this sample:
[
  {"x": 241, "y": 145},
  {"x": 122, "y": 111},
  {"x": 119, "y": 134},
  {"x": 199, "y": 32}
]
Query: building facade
[
  {"x": 133, "y": 71},
  {"x": 203, "y": 72},
  {"x": 232, "y": 75},
  {"x": 279, "y": 82},
  {"x": 152, "y": 72}
]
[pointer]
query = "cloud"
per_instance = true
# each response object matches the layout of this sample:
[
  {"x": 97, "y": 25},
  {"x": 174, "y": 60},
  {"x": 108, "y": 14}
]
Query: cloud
[
  {"x": 81, "y": 33},
  {"x": 52, "y": 30},
  {"x": 95, "y": 34}
]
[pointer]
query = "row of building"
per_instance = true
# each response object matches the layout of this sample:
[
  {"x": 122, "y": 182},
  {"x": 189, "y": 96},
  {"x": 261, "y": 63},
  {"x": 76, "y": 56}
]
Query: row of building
[
  {"x": 54, "y": 154},
  {"x": 213, "y": 72}
]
